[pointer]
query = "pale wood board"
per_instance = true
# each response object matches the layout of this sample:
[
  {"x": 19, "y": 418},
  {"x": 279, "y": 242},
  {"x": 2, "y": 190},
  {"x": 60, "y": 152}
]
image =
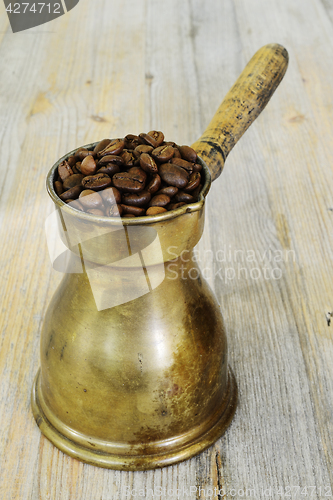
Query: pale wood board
[{"x": 109, "y": 68}]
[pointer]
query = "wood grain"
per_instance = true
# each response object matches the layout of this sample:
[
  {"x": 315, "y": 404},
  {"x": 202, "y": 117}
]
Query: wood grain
[{"x": 110, "y": 68}]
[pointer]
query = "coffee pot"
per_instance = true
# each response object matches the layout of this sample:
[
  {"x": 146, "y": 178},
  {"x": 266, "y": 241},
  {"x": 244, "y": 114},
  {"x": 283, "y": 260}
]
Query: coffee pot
[{"x": 134, "y": 369}]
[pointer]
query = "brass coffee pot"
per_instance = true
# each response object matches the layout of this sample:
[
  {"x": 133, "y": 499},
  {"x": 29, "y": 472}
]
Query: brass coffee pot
[{"x": 134, "y": 372}]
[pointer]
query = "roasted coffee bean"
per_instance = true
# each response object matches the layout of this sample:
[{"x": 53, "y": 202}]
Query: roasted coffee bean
[
  {"x": 143, "y": 148},
  {"x": 130, "y": 158},
  {"x": 188, "y": 153},
  {"x": 82, "y": 153},
  {"x": 148, "y": 164},
  {"x": 101, "y": 145},
  {"x": 195, "y": 193},
  {"x": 78, "y": 167},
  {"x": 169, "y": 191},
  {"x": 88, "y": 166},
  {"x": 71, "y": 160},
  {"x": 64, "y": 170},
  {"x": 58, "y": 187},
  {"x": 111, "y": 196},
  {"x": 114, "y": 159},
  {"x": 147, "y": 139},
  {"x": 72, "y": 180},
  {"x": 115, "y": 211},
  {"x": 155, "y": 210},
  {"x": 90, "y": 199},
  {"x": 126, "y": 216},
  {"x": 154, "y": 184},
  {"x": 173, "y": 206},
  {"x": 75, "y": 204},
  {"x": 176, "y": 153},
  {"x": 160, "y": 200},
  {"x": 131, "y": 141},
  {"x": 115, "y": 147},
  {"x": 128, "y": 209},
  {"x": 132, "y": 181},
  {"x": 182, "y": 196},
  {"x": 71, "y": 193},
  {"x": 75, "y": 170},
  {"x": 96, "y": 182},
  {"x": 193, "y": 181},
  {"x": 186, "y": 165},
  {"x": 110, "y": 169},
  {"x": 173, "y": 175},
  {"x": 137, "y": 199},
  {"x": 163, "y": 153},
  {"x": 197, "y": 167},
  {"x": 157, "y": 136},
  {"x": 95, "y": 211}
]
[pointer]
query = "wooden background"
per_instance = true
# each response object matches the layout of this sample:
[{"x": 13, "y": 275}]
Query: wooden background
[{"x": 111, "y": 67}]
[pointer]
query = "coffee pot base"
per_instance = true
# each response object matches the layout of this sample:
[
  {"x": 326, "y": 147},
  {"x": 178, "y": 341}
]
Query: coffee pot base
[{"x": 182, "y": 448}]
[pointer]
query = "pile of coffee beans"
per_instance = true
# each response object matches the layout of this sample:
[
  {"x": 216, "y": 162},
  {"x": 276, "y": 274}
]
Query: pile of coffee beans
[{"x": 130, "y": 177}]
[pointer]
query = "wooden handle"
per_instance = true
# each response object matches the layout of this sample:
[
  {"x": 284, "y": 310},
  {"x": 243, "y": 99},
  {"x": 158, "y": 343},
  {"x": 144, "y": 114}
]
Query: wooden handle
[{"x": 241, "y": 106}]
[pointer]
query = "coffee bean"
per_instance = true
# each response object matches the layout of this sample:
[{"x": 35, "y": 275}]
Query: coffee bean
[
  {"x": 110, "y": 169},
  {"x": 114, "y": 147},
  {"x": 173, "y": 175},
  {"x": 155, "y": 210},
  {"x": 163, "y": 153},
  {"x": 72, "y": 180},
  {"x": 126, "y": 216},
  {"x": 154, "y": 184},
  {"x": 96, "y": 182},
  {"x": 131, "y": 141},
  {"x": 58, "y": 187},
  {"x": 95, "y": 211},
  {"x": 88, "y": 166},
  {"x": 71, "y": 160},
  {"x": 197, "y": 167},
  {"x": 195, "y": 193},
  {"x": 168, "y": 190},
  {"x": 148, "y": 164},
  {"x": 78, "y": 166},
  {"x": 101, "y": 145},
  {"x": 176, "y": 153},
  {"x": 186, "y": 165},
  {"x": 64, "y": 170},
  {"x": 182, "y": 196},
  {"x": 128, "y": 209},
  {"x": 188, "y": 154},
  {"x": 137, "y": 199},
  {"x": 173, "y": 206},
  {"x": 130, "y": 158},
  {"x": 160, "y": 200},
  {"x": 114, "y": 159},
  {"x": 111, "y": 196},
  {"x": 115, "y": 211},
  {"x": 90, "y": 199},
  {"x": 75, "y": 204},
  {"x": 157, "y": 136},
  {"x": 82, "y": 153},
  {"x": 71, "y": 193},
  {"x": 143, "y": 148},
  {"x": 193, "y": 181},
  {"x": 132, "y": 181}
]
